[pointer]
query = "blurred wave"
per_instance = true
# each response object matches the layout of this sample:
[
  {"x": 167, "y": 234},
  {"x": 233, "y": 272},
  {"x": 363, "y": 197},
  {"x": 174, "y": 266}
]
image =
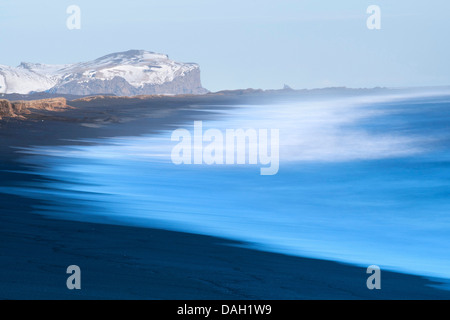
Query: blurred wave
[{"x": 362, "y": 180}]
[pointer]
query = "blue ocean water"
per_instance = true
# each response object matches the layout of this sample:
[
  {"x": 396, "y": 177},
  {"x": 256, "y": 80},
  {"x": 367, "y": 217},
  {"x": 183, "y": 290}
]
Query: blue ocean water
[{"x": 364, "y": 180}]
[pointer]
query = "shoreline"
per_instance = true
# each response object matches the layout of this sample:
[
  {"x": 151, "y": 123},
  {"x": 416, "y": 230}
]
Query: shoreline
[{"x": 124, "y": 262}]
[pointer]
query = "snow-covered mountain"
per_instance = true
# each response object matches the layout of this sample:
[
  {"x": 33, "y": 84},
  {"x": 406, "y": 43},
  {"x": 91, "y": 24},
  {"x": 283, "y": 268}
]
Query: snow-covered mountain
[{"x": 126, "y": 73}]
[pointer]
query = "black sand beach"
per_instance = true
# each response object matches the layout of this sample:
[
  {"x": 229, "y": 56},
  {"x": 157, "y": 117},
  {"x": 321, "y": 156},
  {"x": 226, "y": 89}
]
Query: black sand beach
[{"x": 122, "y": 262}]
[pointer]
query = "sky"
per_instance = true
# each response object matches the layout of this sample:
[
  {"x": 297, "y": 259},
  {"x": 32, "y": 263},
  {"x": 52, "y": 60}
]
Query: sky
[{"x": 245, "y": 43}]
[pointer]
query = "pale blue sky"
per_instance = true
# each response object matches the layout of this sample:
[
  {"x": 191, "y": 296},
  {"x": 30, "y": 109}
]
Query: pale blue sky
[{"x": 245, "y": 43}]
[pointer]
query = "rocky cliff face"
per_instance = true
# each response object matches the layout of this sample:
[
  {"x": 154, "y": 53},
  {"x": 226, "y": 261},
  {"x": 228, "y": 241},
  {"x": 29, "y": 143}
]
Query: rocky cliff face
[
  {"x": 134, "y": 72},
  {"x": 6, "y": 109},
  {"x": 13, "y": 109},
  {"x": 187, "y": 84}
]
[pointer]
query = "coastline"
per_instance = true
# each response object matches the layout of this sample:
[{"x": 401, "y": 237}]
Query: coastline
[{"x": 121, "y": 262}]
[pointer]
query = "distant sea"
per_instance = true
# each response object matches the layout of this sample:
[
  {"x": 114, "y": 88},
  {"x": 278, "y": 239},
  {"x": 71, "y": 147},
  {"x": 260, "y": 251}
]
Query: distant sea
[{"x": 362, "y": 180}]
